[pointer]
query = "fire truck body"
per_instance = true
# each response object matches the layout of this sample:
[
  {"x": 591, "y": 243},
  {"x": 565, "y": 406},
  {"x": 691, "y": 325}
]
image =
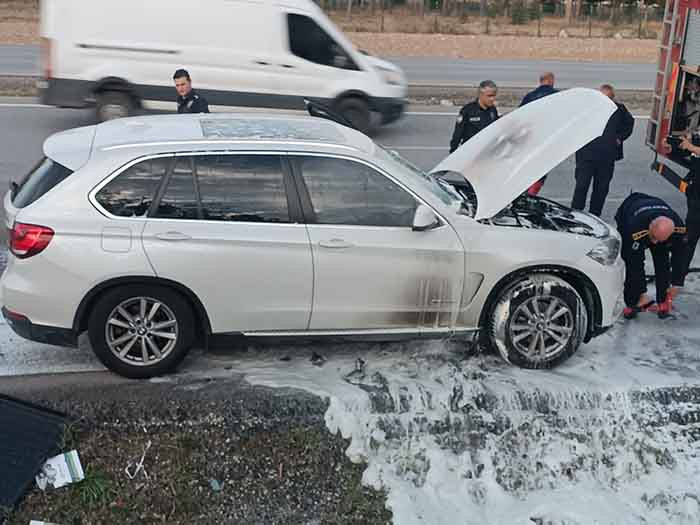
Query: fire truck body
[{"x": 676, "y": 103}]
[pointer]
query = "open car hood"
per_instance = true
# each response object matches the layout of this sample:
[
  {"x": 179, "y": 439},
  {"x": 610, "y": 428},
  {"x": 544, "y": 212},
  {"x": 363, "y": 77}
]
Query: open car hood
[{"x": 504, "y": 159}]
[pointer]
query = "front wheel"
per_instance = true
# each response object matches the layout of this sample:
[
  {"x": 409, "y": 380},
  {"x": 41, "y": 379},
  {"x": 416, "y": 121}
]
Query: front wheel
[
  {"x": 538, "y": 321},
  {"x": 357, "y": 112},
  {"x": 141, "y": 331}
]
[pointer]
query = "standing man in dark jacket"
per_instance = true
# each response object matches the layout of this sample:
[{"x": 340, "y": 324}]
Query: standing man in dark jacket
[
  {"x": 648, "y": 222},
  {"x": 476, "y": 115},
  {"x": 596, "y": 160},
  {"x": 188, "y": 100},
  {"x": 545, "y": 88}
]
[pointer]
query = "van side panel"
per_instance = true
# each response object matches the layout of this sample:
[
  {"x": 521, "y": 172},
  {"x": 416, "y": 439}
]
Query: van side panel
[{"x": 237, "y": 53}]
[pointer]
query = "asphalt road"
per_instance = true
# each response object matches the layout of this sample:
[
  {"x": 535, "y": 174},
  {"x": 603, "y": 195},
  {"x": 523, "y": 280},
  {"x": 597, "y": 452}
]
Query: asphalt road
[
  {"x": 24, "y": 60},
  {"x": 520, "y": 73}
]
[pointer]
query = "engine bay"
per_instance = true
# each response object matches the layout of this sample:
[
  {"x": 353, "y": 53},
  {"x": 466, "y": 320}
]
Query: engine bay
[{"x": 533, "y": 213}]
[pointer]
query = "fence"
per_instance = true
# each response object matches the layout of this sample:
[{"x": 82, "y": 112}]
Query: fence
[{"x": 545, "y": 18}]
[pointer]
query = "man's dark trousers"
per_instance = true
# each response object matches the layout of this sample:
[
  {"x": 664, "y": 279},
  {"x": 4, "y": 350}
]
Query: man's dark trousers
[{"x": 601, "y": 173}]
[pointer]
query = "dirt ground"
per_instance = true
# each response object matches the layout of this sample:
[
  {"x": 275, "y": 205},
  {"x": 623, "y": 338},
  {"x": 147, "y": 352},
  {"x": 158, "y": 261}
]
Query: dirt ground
[
  {"x": 218, "y": 451},
  {"x": 507, "y": 47},
  {"x": 19, "y": 22},
  {"x": 433, "y": 36}
]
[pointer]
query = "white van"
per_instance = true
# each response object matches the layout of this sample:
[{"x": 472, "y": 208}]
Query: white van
[{"x": 264, "y": 53}]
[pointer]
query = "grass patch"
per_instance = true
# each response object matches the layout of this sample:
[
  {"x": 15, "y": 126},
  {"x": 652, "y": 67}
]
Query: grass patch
[{"x": 294, "y": 475}]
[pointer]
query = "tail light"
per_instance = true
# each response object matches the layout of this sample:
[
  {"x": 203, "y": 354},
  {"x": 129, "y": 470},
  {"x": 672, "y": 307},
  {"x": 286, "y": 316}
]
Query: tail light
[
  {"x": 46, "y": 52},
  {"x": 26, "y": 240}
]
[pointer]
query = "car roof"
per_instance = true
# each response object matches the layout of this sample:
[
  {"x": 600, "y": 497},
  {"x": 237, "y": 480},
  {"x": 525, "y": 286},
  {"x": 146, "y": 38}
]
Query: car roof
[{"x": 207, "y": 131}]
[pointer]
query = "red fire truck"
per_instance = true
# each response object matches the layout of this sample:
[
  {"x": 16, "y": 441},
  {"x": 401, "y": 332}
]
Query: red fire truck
[{"x": 676, "y": 104}]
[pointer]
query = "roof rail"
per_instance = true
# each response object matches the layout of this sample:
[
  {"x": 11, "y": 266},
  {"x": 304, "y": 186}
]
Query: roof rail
[{"x": 317, "y": 109}]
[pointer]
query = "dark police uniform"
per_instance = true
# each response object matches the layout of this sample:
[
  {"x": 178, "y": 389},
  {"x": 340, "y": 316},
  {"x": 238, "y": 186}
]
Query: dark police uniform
[
  {"x": 633, "y": 219},
  {"x": 192, "y": 103},
  {"x": 596, "y": 161},
  {"x": 470, "y": 121},
  {"x": 536, "y": 94}
]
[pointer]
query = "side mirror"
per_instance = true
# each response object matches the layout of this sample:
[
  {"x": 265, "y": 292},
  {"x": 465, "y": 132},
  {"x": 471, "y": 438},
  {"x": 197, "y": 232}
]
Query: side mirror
[{"x": 424, "y": 219}]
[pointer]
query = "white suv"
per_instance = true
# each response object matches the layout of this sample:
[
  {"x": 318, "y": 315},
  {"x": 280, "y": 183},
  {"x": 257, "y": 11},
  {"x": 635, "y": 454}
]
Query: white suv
[{"x": 157, "y": 233}]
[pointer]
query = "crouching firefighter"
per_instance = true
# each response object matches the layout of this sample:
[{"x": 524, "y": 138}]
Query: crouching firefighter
[{"x": 648, "y": 222}]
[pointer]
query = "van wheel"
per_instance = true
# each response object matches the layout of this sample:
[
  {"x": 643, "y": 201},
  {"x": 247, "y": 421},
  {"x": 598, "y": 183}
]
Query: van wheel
[
  {"x": 141, "y": 331},
  {"x": 538, "y": 321},
  {"x": 357, "y": 112},
  {"x": 113, "y": 104}
]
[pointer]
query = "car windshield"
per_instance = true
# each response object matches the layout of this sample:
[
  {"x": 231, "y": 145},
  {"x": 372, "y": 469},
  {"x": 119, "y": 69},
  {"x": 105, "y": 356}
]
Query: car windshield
[{"x": 443, "y": 191}]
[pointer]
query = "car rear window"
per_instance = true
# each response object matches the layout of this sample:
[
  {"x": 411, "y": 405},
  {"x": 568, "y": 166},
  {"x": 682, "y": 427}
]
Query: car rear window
[
  {"x": 132, "y": 192},
  {"x": 45, "y": 176}
]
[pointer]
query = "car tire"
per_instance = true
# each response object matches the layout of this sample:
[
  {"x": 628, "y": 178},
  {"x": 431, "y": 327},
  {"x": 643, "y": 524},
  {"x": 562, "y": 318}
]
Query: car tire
[
  {"x": 537, "y": 321},
  {"x": 166, "y": 331},
  {"x": 356, "y": 111},
  {"x": 113, "y": 104}
]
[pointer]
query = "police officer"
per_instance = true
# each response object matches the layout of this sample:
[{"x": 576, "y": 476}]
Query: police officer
[
  {"x": 545, "y": 89},
  {"x": 188, "y": 100},
  {"x": 596, "y": 160},
  {"x": 476, "y": 115},
  {"x": 648, "y": 222}
]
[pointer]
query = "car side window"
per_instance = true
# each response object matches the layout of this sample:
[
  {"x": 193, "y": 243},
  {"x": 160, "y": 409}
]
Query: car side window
[
  {"x": 131, "y": 193},
  {"x": 348, "y": 192},
  {"x": 179, "y": 201},
  {"x": 310, "y": 41},
  {"x": 246, "y": 188}
]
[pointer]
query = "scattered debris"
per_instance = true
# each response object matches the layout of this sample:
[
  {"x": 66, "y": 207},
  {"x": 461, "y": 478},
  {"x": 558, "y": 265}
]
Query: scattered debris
[
  {"x": 317, "y": 359},
  {"x": 446, "y": 102},
  {"x": 563, "y": 34},
  {"x": 60, "y": 471},
  {"x": 215, "y": 485},
  {"x": 139, "y": 465},
  {"x": 358, "y": 374}
]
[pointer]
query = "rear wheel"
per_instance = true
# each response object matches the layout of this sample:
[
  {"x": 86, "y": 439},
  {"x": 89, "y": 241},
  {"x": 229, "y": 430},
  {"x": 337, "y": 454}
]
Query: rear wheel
[
  {"x": 538, "y": 321},
  {"x": 357, "y": 112},
  {"x": 141, "y": 331},
  {"x": 113, "y": 104}
]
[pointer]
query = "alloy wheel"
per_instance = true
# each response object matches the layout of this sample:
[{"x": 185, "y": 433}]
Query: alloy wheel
[
  {"x": 542, "y": 327},
  {"x": 141, "y": 331}
]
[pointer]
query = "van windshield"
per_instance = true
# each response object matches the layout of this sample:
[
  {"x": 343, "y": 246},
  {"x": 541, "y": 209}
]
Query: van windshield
[
  {"x": 310, "y": 41},
  {"x": 45, "y": 176}
]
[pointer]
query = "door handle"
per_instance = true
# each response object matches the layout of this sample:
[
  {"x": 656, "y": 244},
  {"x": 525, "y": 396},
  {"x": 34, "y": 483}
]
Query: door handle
[
  {"x": 335, "y": 243},
  {"x": 172, "y": 236},
  {"x": 262, "y": 63}
]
